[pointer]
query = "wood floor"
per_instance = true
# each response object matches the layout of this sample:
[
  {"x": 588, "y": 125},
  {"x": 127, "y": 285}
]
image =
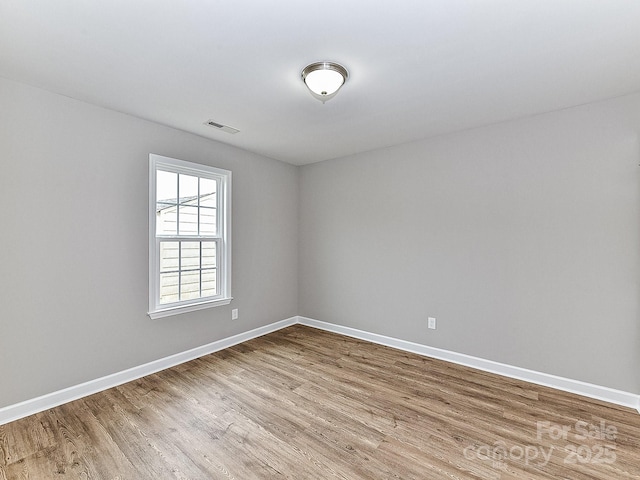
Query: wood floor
[{"x": 305, "y": 404}]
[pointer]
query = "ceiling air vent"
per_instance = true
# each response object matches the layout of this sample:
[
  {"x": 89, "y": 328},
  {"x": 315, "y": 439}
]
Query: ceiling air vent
[{"x": 223, "y": 128}]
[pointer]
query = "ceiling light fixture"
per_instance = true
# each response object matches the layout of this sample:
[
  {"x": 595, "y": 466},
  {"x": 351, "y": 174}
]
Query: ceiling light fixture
[{"x": 324, "y": 79}]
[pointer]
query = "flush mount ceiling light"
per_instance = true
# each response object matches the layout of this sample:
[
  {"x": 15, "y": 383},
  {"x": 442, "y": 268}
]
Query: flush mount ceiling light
[{"x": 324, "y": 79}]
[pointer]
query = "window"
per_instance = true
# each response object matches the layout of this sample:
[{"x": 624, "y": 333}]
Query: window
[{"x": 189, "y": 236}]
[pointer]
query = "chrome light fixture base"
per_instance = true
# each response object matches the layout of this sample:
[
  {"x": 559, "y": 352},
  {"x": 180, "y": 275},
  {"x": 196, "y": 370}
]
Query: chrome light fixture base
[{"x": 324, "y": 79}]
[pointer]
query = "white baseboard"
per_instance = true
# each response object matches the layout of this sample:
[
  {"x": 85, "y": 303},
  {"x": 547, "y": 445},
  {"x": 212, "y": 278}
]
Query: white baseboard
[
  {"x": 598, "y": 392},
  {"x": 39, "y": 404}
]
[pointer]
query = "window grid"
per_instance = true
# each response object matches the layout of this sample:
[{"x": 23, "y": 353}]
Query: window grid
[{"x": 203, "y": 266}]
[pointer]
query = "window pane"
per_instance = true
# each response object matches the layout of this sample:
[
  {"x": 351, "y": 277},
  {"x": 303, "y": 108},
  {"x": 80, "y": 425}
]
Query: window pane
[
  {"x": 169, "y": 256},
  {"x": 209, "y": 283},
  {"x": 188, "y": 190},
  {"x": 166, "y": 195},
  {"x": 168, "y": 287},
  {"x": 188, "y": 219},
  {"x": 208, "y": 221},
  {"x": 190, "y": 252},
  {"x": 166, "y": 187},
  {"x": 208, "y": 254},
  {"x": 189, "y": 285},
  {"x": 166, "y": 220},
  {"x": 208, "y": 190}
]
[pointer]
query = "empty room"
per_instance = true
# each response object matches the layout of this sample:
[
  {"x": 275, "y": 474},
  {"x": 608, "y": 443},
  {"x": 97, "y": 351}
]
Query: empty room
[{"x": 331, "y": 240}]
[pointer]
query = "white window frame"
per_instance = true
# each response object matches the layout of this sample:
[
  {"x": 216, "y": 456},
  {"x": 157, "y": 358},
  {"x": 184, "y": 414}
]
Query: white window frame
[{"x": 222, "y": 238}]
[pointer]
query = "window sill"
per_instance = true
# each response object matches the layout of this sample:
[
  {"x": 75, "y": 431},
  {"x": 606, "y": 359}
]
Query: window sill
[{"x": 167, "y": 312}]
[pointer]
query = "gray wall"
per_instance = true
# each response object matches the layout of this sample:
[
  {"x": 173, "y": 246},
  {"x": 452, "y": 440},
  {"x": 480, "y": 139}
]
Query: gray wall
[
  {"x": 74, "y": 242},
  {"x": 521, "y": 238}
]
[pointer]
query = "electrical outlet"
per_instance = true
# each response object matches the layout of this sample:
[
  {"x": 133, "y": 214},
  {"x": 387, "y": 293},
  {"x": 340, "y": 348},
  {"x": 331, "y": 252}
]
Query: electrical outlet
[
  {"x": 234, "y": 314},
  {"x": 432, "y": 323}
]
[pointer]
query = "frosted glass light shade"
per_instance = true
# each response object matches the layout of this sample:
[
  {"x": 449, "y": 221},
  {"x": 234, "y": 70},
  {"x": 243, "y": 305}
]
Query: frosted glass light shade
[
  {"x": 324, "y": 82},
  {"x": 324, "y": 79}
]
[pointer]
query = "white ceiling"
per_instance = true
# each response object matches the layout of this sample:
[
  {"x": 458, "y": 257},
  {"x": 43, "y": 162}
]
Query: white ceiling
[{"x": 417, "y": 68}]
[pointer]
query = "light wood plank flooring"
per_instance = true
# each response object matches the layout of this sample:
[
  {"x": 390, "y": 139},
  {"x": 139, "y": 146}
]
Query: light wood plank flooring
[{"x": 305, "y": 404}]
